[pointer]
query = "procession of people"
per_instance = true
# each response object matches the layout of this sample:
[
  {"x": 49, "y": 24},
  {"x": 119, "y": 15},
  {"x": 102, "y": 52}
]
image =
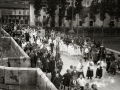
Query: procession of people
[{"x": 45, "y": 53}]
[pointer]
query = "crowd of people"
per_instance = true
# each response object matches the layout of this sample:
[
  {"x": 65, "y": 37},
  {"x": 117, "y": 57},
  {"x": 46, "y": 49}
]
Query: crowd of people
[{"x": 41, "y": 51}]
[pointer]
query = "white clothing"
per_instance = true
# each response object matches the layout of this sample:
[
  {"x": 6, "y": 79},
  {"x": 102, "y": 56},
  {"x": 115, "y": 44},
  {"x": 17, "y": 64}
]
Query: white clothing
[
  {"x": 91, "y": 65},
  {"x": 80, "y": 67},
  {"x": 81, "y": 82},
  {"x": 24, "y": 44},
  {"x": 86, "y": 50},
  {"x": 100, "y": 64}
]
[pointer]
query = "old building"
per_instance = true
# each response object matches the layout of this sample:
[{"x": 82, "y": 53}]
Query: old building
[
  {"x": 22, "y": 12},
  {"x": 14, "y": 11}
]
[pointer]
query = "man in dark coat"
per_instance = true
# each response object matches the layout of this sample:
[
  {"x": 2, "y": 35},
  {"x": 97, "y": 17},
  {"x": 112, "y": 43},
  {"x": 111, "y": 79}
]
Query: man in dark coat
[
  {"x": 57, "y": 81},
  {"x": 44, "y": 62},
  {"x": 53, "y": 74},
  {"x": 52, "y": 63},
  {"x": 32, "y": 59},
  {"x": 108, "y": 62},
  {"x": 66, "y": 79},
  {"x": 51, "y": 46}
]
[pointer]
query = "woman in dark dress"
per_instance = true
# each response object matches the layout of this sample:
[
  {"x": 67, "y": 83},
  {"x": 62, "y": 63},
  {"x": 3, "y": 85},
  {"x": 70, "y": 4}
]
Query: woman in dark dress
[{"x": 66, "y": 79}]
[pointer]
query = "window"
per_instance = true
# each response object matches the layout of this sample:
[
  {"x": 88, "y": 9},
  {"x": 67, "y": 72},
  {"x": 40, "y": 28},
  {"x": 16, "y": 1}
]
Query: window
[
  {"x": 44, "y": 5},
  {"x": 112, "y": 18},
  {"x": 87, "y": 2},
  {"x": 80, "y": 23},
  {"x": 27, "y": 12},
  {"x": 17, "y": 21},
  {"x": 21, "y": 22},
  {"x": 14, "y": 12},
  {"x": 10, "y": 20},
  {"x": 111, "y": 23},
  {"x": 44, "y": 24},
  {"x": 24, "y": 12},
  {"x": 59, "y": 6},
  {"x": 19, "y": 12},
  {"x": 26, "y": 21},
  {"x": 91, "y": 23}
]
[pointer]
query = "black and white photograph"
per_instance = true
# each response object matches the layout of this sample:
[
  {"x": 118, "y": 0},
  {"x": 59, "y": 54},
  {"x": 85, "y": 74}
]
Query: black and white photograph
[{"x": 59, "y": 44}]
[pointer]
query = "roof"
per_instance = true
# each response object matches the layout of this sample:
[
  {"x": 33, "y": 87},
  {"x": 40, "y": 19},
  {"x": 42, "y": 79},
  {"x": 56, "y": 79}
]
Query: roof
[{"x": 15, "y": 6}]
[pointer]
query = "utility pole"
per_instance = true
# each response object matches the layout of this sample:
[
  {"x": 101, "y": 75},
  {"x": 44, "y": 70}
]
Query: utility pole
[{"x": 72, "y": 13}]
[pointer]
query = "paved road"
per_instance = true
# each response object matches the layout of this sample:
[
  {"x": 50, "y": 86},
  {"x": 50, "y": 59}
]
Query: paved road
[{"x": 105, "y": 83}]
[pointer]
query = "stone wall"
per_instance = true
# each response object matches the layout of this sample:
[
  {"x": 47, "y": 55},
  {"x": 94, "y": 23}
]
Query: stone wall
[
  {"x": 13, "y": 54},
  {"x": 16, "y": 56},
  {"x": 12, "y": 78}
]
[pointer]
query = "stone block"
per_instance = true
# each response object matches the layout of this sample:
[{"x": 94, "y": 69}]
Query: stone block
[
  {"x": 32, "y": 87},
  {"x": 11, "y": 75},
  {"x": 24, "y": 62},
  {"x": 14, "y": 87},
  {"x": 23, "y": 87},
  {"x": 0, "y": 62},
  {"x": 39, "y": 79},
  {"x": 2, "y": 70},
  {"x": 43, "y": 82},
  {"x": 14, "y": 61},
  {"x": 2, "y": 76},
  {"x": 5, "y": 62},
  {"x": 23, "y": 76},
  {"x": 3, "y": 87},
  {"x": 32, "y": 76}
]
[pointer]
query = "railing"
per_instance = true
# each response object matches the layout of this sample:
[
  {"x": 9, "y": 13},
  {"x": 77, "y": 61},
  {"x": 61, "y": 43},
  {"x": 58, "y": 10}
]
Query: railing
[{"x": 116, "y": 53}]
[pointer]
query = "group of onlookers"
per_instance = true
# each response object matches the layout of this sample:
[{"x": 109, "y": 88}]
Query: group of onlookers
[{"x": 74, "y": 78}]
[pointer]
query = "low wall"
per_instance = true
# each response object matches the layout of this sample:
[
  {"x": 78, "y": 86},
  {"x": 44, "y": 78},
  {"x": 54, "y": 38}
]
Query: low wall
[
  {"x": 43, "y": 83},
  {"x": 13, "y": 78},
  {"x": 17, "y": 57},
  {"x": 116, "y": 53}
]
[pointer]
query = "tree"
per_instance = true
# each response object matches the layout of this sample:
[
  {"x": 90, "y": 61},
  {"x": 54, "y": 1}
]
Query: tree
[
  {"x": 117, "y": 14},
  {"x": 52, "y": 6},
  {"x": 111, "y": 9},
  {"x": 93, "y": 11},
  {"x": 62, "y": 9},
  {"x": 78, "y": 10},
  {"x": 37, "y": 6},
  {"x": 117, "y": 11},
  {"x": 71, "y": 15},
  {"x": 102, "y": 6}
]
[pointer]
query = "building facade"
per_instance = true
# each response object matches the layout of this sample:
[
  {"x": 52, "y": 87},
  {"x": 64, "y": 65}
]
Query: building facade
[
  {"x": 22, "y": 12},
  {"x": 17, "y": 12}
]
